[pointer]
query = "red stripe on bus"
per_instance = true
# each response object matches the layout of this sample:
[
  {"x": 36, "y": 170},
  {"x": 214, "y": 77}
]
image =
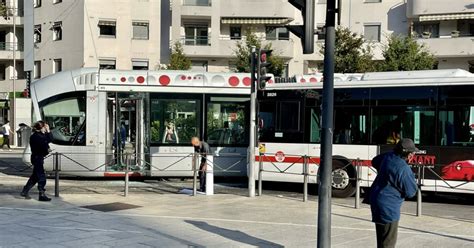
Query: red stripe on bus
[{"x": 312, "y": 160}]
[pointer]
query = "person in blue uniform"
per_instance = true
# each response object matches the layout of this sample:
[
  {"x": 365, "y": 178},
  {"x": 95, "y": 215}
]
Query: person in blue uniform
[
  {"x": 395, "y": 181},
  {"x": 39, "y": 143}
]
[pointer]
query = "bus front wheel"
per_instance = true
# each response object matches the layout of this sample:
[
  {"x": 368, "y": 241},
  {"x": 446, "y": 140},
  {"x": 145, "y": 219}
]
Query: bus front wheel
[{"x": 343, "y": 183}]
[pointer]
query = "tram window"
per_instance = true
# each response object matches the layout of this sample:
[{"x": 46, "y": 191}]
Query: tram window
[
  {"x": 289, "y": 116},
  {"x": 350, "y": 126},
  {"x": 404, "y": 96},
  {"x": 66, "y": 117},
  {"x": 174, "y": 121},
  {"x": 227, "y": 122}
]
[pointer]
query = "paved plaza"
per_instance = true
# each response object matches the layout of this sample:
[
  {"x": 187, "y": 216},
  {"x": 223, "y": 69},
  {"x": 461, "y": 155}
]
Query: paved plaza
[{"x": 154, "y": 218}]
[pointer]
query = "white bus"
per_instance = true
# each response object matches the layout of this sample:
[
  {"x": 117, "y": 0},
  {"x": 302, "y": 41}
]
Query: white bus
[
  {"x": 372, "y": 111},
  {"x": 159, "y": 111}
]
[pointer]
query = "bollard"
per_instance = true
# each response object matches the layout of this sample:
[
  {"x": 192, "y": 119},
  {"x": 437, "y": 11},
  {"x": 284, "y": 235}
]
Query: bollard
[
  {"x": 260, "y": 172},
  {"x": 126, "y": 179},
  {"x": 209, "y": 176},
  {"x": 56, "y": 174},
  {"x": 357, "y": 198},
  {"x": 305, "y": 178},
  {"x": 418, "y": 194},
  {"x": 195, "y": 157}
]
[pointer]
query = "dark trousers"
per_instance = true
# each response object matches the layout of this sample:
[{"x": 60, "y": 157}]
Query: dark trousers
[
  {"x": 202, "y": 177},
  {"x": 386, "y": 234},
  {"x": 38, "y": 175},
  {"x": 6, "y": 141}
]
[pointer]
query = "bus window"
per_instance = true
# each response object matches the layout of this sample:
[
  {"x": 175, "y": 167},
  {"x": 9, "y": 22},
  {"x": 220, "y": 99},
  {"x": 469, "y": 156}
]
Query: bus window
[
  {"x": 456, "y": 126},
  {"x": 289, "y": 116},
  {"x": 350, "y": 126},
  {"x": 66, "y": 115},
  {"x": 174, "y": 121},
  {"x": 267, "y": 116},
  {"x": 227, "y": 120}
]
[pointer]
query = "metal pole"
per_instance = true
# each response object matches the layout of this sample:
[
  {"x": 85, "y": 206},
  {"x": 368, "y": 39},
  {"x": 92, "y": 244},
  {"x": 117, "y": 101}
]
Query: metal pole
[
  {"x": 56, "y": 174},
  {"x": 324, "y": 200},
  {"x": 126, "y": 179},
  {"x": 418, "y": 195},
  {"x": 194, "y": 174},
  {"x": 15, "y": 43},
  {"x": 305, "y": 178},
  {"x": 260, "y": 172},
  {"x": 253, "y": 106},
  {"x": 357, "y": 198}
]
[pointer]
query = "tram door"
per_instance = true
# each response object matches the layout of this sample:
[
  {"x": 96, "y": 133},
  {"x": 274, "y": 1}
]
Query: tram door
[{"x": 127, "y": 127}]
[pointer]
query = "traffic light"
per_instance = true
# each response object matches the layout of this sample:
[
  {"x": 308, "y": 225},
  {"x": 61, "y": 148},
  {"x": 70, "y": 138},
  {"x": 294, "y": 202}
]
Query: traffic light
[
  {"x": 262, "y": 67},
  {"x": 306, "y": 31}
]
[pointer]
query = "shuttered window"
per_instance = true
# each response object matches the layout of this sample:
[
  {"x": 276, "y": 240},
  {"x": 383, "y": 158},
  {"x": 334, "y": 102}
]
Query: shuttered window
[{"x": 140, "y": 30}]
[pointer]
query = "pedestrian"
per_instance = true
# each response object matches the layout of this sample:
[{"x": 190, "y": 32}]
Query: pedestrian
[
  {"x": 39, "y": 143},
  {"x": 395, "y": 181},
  {"x": 7, "y": 130},
  {"x": 202, "y": 148}
]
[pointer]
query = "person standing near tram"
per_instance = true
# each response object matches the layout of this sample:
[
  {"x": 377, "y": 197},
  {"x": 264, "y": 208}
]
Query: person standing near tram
[
  {"x": 39, "y": 143},
  {"x": 203, "y": 149}
]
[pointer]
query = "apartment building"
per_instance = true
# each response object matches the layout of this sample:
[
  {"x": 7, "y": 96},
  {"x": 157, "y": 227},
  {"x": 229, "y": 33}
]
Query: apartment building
[
  {"x": 446, "y": 28},
  {"x": 11, "y": 48},
  {"x": 108, "y": 34}
]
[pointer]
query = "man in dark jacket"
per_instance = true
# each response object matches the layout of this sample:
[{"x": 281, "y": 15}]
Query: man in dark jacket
[
  {"x": 203, "y": 149},
  {"x": 39, "y": 143},
  {"x": 394, "y": 182}
]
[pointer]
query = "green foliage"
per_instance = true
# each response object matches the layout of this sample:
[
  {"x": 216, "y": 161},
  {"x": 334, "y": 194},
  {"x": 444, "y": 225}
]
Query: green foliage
[
  {"x": 178, "y": 60},
  {"x": 351, "y": 54},
  {"x": 3, "y": 10},
  {"x": 403, "y": 53},
  {"x": 155, "y": 131},
  {"x": 244, "y": 49}
]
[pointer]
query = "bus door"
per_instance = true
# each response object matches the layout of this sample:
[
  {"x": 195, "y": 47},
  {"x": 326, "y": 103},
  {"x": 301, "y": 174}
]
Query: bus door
[{"x": 127, "y": 132}]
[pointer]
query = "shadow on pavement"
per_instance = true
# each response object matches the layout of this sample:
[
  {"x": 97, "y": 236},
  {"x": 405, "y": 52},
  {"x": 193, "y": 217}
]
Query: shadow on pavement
[{"x": 233, "y": 234}]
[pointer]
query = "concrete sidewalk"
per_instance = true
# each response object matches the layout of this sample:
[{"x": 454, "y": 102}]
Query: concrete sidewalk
[{"x": 176, "y": 220}]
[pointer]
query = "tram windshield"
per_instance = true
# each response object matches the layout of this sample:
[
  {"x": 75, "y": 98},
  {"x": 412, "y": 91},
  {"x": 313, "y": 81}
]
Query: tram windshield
[{"x": 66, "y": 115}]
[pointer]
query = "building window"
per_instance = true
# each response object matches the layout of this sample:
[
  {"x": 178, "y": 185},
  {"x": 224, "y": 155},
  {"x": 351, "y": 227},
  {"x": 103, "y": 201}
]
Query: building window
[
  {"x": 36, "y": 3},
  {"x": 57, "y": 1},
  {"x": 107, "y": 64},
  {"x": 140, "y": 30},
  {"x": 140, "y": 64},
  {"x": 37, "y": 70},
  {"x": 57, "y": 65},
  {"x": 197, "y": 2},
  {"x": 235, "y": 32},
  {"x": 37, "y": 34},
  {"x": 57, "y": 31},
  {"x": 107, "y": 28},
  {"x": 277, "y": 33},
  {"x": 196, "y": 35},
  {"x": 372, "y": 32}
]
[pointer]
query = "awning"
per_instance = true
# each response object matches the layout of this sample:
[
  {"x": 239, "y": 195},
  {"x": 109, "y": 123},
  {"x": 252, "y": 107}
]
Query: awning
[
  {"x": 458, "y": 16},
  {"x": 243, "y": 20}
]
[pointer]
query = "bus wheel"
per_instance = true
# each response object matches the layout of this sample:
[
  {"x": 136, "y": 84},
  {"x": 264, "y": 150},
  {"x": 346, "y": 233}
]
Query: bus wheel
[{"x": 343, "y": 184}]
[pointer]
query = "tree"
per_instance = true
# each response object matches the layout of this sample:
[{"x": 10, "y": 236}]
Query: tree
[
  {"x": 351, "y": 54},
  {"x": 244, "y": 49},
  {"x": 403, "y": 53},
  {"x": 178, "y": 61}
]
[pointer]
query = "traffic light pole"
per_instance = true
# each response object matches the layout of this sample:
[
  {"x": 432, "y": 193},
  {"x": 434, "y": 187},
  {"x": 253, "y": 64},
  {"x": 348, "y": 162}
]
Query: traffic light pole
[
  {"x": 324, "y": 199},
  {"x": 253, "y": 133}
]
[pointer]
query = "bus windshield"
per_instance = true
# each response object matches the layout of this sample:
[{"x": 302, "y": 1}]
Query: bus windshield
[{"x": 66, "y": 114}]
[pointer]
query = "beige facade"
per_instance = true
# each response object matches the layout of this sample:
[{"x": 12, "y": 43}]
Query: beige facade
[{"x": 88, "y": 33}]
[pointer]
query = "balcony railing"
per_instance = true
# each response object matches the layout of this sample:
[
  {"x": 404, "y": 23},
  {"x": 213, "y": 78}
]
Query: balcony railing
[
  {"x": 196, "y": 40},
  {"x": 10, "y": 46},
  {"x": 197, "y": 2}
]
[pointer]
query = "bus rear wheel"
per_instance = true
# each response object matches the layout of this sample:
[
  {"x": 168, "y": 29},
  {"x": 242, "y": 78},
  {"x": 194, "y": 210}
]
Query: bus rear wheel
[{"x": 343, "y": 183}]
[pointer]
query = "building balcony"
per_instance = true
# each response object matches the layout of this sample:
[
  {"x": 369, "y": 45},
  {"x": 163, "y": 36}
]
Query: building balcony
[
  {"x": 6, "y": 85},
  {"x": 433, "y": 8},
  {"x": 196, "y": 8},
  {"x": 450, "y": 47},
  {"x": 224, "y": 47},
  {"x": 6, "y": 50}
]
